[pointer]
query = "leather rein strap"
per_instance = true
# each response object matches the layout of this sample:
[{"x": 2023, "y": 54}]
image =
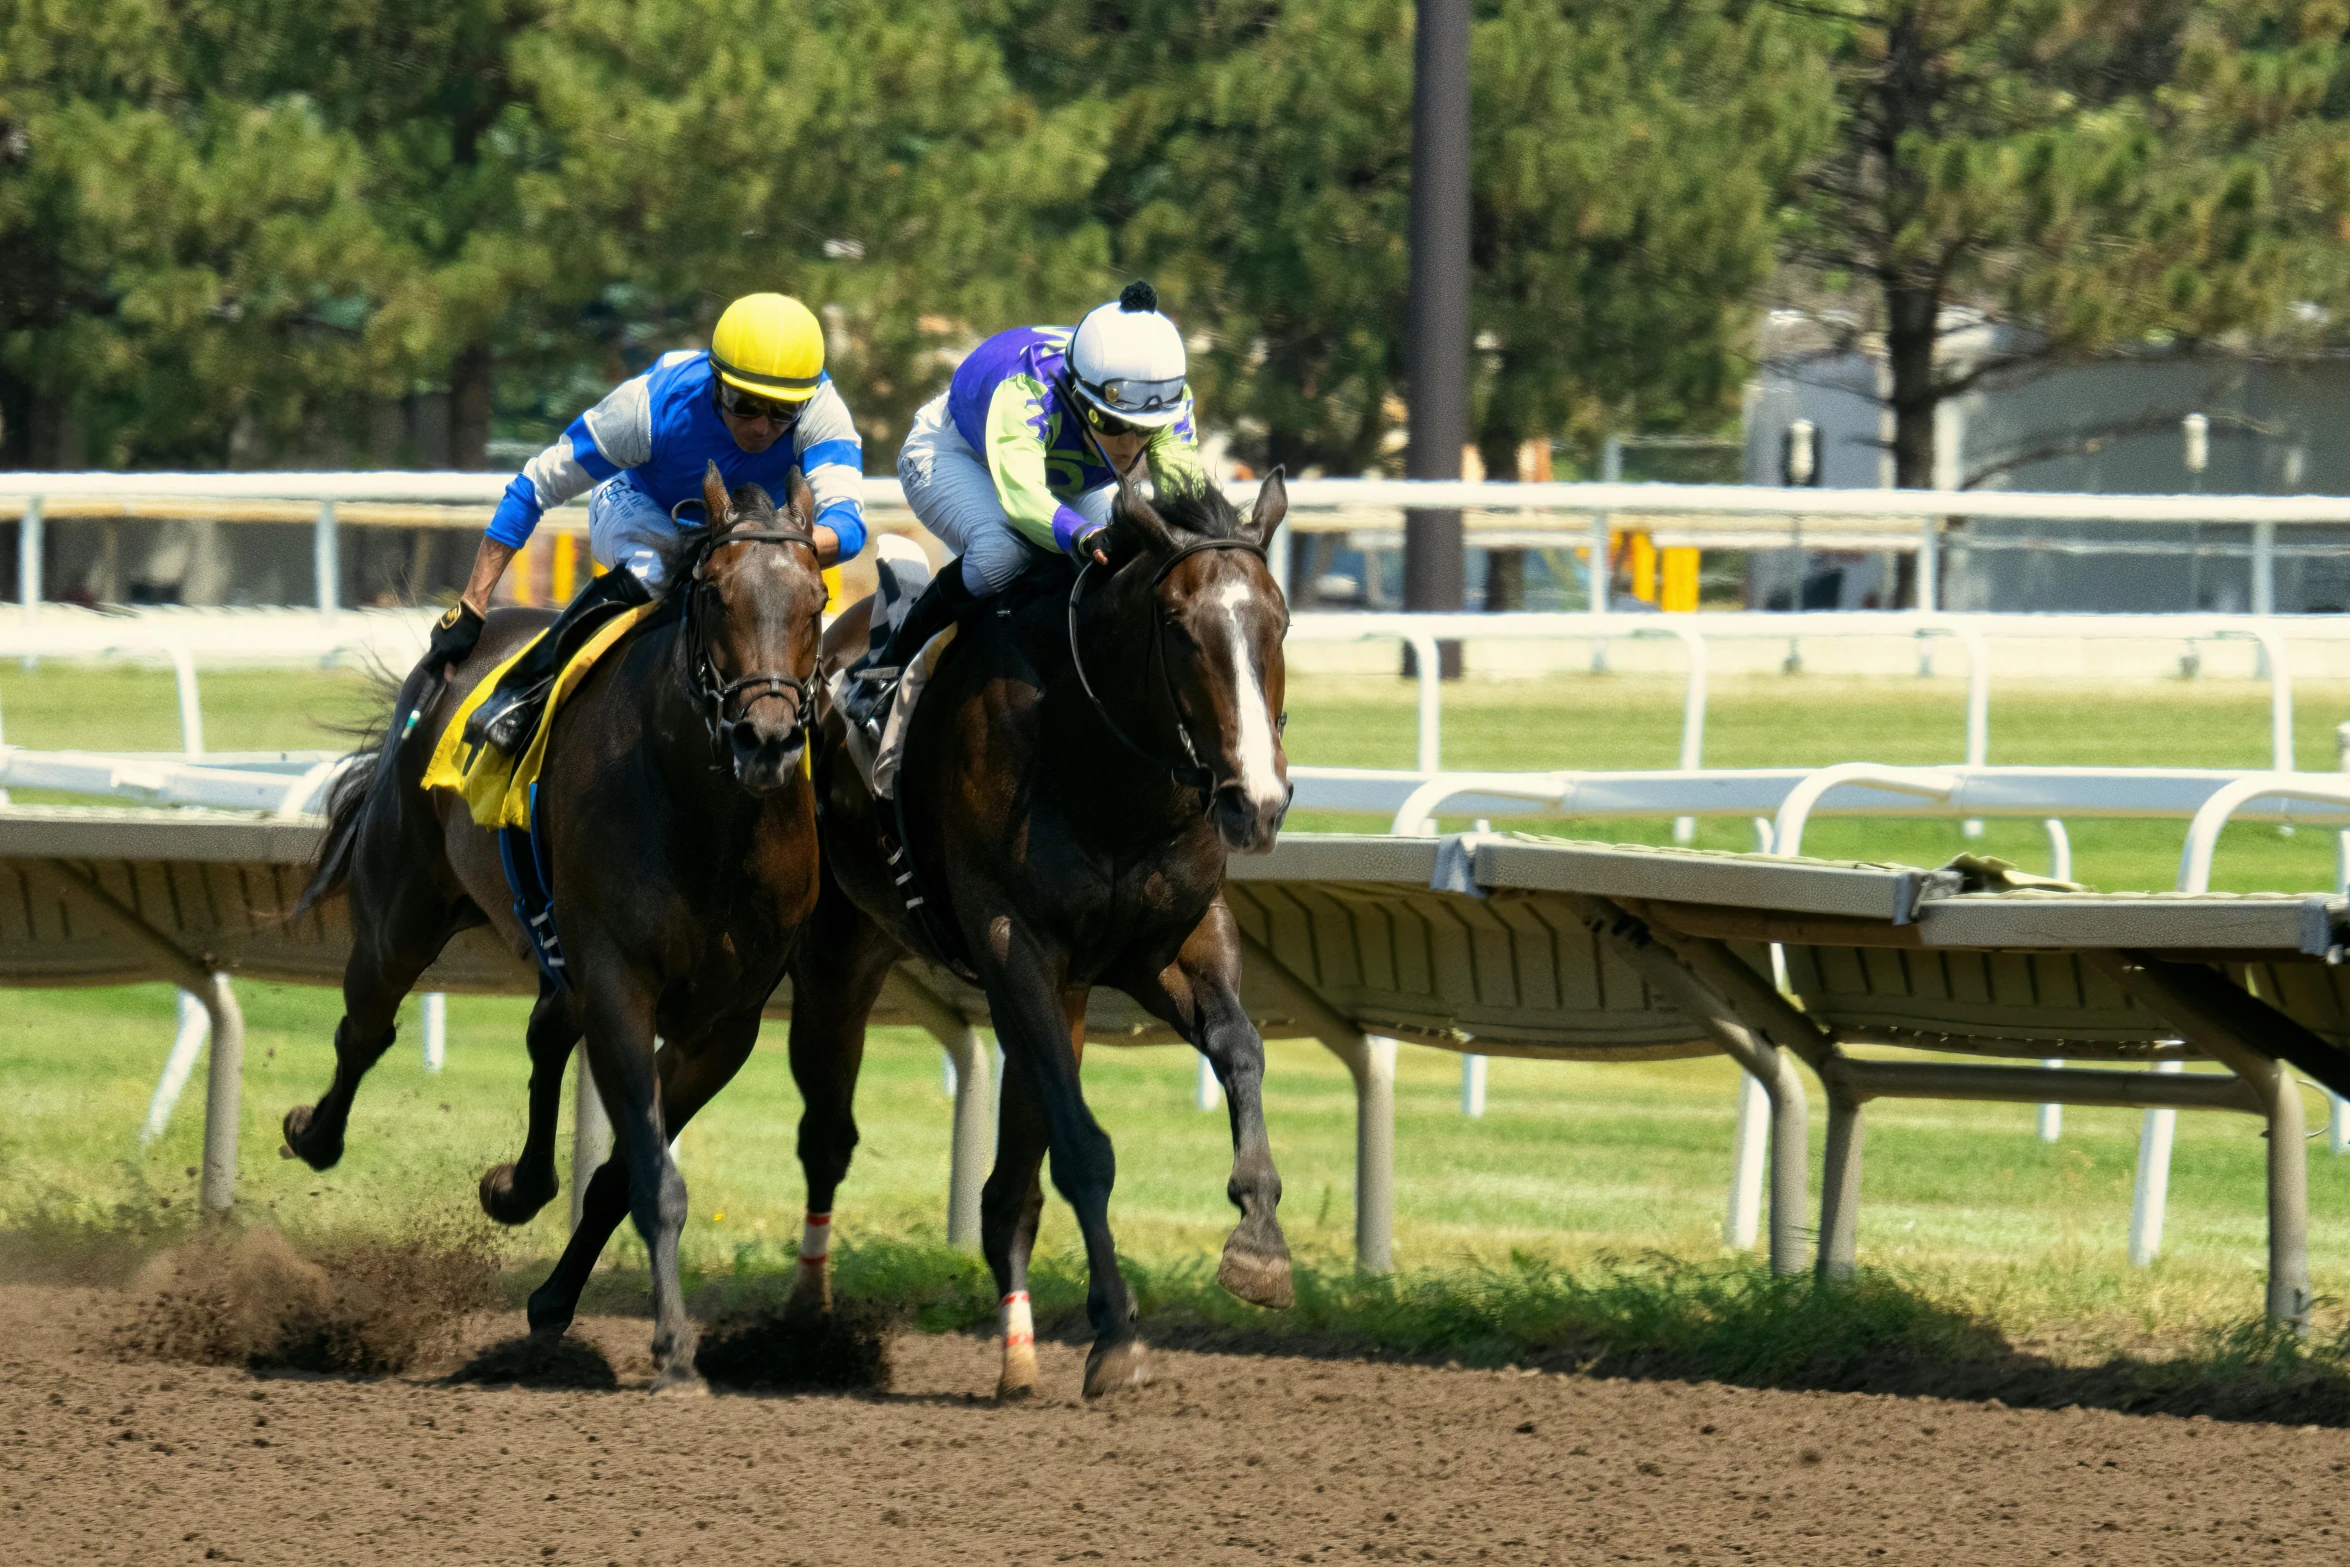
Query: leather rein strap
[
  {"x": 708, "y": 691},
  {"x": 1190, "y": 772}
]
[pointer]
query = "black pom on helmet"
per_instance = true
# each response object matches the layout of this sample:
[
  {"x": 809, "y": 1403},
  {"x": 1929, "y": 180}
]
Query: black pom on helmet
[{"x": 1138, "y": 296}]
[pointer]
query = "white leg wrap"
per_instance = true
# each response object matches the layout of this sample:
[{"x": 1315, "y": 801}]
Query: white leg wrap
[
  {"x": 815, "y": 1240},
  {"x": 1019, "y": 1326}
]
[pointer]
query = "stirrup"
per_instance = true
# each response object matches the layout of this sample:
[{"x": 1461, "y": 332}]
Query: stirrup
[
  {"x": 868, "y": 698},
  {"x": 507, "y": 727}
]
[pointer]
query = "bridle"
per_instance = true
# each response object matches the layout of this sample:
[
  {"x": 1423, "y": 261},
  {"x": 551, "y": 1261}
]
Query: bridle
[
  {"x": 711, "y": 694},
  {"x": 1189, "y": 772}
]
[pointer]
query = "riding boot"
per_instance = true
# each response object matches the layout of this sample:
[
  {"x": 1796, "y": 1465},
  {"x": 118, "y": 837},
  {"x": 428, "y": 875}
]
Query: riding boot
[
  {"x": 509, "y": 715},
  {"x": 873, "y": 678}
]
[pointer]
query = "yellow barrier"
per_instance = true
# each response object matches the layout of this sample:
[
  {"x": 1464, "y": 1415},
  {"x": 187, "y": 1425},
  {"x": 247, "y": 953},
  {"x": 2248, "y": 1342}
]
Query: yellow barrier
[{"x": 1680, "y": 581}]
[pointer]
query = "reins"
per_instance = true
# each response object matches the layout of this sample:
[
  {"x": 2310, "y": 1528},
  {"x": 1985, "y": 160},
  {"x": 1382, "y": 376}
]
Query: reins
[
  {"x": 710, "y": 694},
  {"x": 1190, "y": 772}
]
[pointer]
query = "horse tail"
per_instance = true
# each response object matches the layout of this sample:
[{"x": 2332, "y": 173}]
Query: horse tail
[{"x": 356, "y": 786}]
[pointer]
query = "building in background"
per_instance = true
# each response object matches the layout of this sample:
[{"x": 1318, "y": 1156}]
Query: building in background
[{"x": 2111, "y": 426}]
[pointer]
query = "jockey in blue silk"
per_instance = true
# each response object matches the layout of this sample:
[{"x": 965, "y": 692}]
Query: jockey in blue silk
[
  {"x": 757, "y": 403},
  {"x": 1023, "y": 453}
]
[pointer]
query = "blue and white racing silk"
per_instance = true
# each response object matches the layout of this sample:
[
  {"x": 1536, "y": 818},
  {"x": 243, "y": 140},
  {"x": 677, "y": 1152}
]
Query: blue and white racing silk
[{"x": 659, "y": 429}]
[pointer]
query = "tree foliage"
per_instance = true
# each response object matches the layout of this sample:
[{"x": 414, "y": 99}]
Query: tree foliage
[
  {"x": 238, "y": 232},
  {"x": 2080, "y": 173}
]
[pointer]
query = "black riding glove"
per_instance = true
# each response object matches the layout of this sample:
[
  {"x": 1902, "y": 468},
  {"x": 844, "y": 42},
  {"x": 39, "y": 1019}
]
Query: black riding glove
[{"x": 453, "y": 637}]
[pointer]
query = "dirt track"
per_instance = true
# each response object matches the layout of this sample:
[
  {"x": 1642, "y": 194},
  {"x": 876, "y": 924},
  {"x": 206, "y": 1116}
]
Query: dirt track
[{"x": 1223, "y": 1459}]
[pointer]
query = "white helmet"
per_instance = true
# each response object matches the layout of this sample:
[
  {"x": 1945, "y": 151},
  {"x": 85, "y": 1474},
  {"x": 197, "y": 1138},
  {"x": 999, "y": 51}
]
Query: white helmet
[{"x": 1127, "y": 360}]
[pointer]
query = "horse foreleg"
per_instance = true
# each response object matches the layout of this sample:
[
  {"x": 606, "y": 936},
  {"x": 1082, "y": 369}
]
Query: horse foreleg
[
  {"x": 844, "y": 961},
  {"x": 1256, "y": 1263},
  {"x": 689, "y": 1076},
  {"x": 620, "y": 1053},
  {"x": 514, "y": 1193},
  {"x": 1035, "y": 1018}
]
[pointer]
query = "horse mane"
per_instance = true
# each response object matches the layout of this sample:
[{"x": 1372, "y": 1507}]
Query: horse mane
[{"x": 1199, "y": 509}]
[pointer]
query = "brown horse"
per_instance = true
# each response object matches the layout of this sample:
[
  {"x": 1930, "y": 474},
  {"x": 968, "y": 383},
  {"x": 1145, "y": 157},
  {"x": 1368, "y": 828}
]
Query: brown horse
[
  {"x": 681, "y": 833},
  {"x": 1075, "y": 774}
]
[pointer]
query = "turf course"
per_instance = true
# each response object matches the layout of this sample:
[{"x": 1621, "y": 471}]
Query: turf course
[{"x": 1572, "y": 1163}]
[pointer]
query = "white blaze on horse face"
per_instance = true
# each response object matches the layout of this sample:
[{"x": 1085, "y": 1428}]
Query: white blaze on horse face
[{"x": 1260, "y": 773}]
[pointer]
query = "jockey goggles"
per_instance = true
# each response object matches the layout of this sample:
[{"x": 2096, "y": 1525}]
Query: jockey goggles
[
  {"x": 1110, "y": 398},
  {"x": 733, "y": 400}
]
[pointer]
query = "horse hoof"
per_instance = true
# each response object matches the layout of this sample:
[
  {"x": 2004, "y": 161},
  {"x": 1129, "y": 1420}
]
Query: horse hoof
[
  {"x": 549, "y": 1320},
  {"x": 502, "y": 1201},
  {"x": 810, "y": 1301},
  {"x": 1018, "y": 1378},
  {"x": 320, "y": 1153},
  {"x": 679, "y": 1382},
  {"x": 1112, "y": 1368},
  {"x": 1260, "y": 1280}
]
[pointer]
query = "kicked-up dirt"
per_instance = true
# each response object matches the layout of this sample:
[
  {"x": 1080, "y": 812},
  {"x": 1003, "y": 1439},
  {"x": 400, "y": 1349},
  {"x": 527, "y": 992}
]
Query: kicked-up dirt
[{"x": 1222, "y": 1459}]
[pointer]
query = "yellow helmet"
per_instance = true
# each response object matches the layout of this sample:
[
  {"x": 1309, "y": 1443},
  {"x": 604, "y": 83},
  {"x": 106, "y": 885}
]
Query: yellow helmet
[{"x": 769, "y": 345}]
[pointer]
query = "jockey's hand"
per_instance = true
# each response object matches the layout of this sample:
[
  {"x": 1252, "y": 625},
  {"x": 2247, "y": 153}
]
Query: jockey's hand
[
  {"x": 1096, "y": 544},
  {"x": 453, "y": 637}
]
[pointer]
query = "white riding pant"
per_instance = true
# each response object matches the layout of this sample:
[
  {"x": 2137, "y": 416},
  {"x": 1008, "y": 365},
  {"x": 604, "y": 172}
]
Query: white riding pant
[
  {"x": 626, "y": 527},
  {"x": 949, "y": 488}
]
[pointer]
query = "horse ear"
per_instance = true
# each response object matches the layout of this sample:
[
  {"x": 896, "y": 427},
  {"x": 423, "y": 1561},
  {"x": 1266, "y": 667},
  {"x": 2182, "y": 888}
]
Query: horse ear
[
  {"x": 799, "y": 499},
  {"x": 714, "y": 497},
  {"x": 1143, "y": 519},
  {"x": 1271, "y": 506}
]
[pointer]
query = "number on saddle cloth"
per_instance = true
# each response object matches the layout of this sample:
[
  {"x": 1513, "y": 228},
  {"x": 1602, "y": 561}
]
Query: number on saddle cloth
[{"x": 530, "y": 877}]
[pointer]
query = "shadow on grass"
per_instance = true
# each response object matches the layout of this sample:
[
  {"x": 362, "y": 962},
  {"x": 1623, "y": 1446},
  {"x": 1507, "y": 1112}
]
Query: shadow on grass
[{"x": 1653, "y": 1317}]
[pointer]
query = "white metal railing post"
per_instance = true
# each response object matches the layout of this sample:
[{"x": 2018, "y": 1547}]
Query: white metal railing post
[
  {"x": 195, "y": 1025},
  {"x": 29, "y": 568},
  {"x": 1600, "y": 574},
  {"x": 2212, "y": 815},
  {"x": 974, "y": 1136},
  {"x": 1473, "y": 1087},
  {"x": 436, "y": 1030},
  {"x": 2264, "y": 568},
  {"x": 1427, "y": 664},
  {"x": 1743, "y": 1227},
  {"x": 1693, "y": 703},
  {"x": 28, "y": 559},
  {"x": 2152, "y": 1194},
  {"x": 1206, "y": 1092},
  {"x": 591, "y": 1133},
  {"x": 326, "y": 563},
  {"x": 2060, "y": 867},
  {"x": 224, "y": 1080},
  {"x": 183, "y": 674}
]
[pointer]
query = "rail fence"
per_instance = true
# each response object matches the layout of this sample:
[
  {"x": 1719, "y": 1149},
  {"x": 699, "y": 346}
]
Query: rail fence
[{"x": 1780, "y": 801}]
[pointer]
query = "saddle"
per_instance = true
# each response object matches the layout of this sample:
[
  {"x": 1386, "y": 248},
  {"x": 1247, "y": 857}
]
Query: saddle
[{"x": 497, "y": 787}]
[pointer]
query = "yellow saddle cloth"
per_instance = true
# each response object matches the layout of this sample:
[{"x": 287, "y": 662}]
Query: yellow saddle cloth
[{"x": 494, "y": 786}]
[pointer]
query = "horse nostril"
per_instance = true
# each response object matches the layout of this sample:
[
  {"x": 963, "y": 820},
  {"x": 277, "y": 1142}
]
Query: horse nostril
[{"x": 745, "y": 741}]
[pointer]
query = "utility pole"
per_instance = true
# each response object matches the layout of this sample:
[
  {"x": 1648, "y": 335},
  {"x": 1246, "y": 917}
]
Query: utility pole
[{"x": 1434, "y": 560}]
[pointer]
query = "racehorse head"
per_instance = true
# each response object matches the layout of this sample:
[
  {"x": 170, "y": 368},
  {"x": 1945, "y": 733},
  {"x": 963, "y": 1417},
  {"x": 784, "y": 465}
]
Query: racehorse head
[
  {"x": 756, "y": 598},
  {"x": 1221, "y": 618}
]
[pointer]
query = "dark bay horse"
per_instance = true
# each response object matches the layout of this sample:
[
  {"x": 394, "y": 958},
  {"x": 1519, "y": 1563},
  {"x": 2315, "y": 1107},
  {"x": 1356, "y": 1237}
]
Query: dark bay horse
[
  {"x": 682, "y": 834},
  {"x": 1075, "y": 774}
]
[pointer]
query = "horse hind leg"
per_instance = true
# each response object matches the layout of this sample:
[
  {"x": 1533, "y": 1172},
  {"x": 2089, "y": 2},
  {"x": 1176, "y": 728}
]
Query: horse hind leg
[
  {"x": 514, "y": 1193},
  {"x": 374, "y": 981},
  {"x": 1011, "y": 1205},
  {"x": 401, "y": 915},
  {"x": 845, "y": 960}
]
